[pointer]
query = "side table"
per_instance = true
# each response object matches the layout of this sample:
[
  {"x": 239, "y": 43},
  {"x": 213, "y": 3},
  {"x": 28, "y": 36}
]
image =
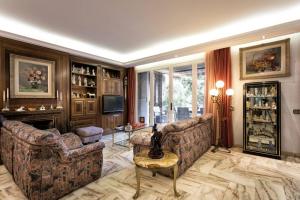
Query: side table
[{"x": 169, "y": 161}]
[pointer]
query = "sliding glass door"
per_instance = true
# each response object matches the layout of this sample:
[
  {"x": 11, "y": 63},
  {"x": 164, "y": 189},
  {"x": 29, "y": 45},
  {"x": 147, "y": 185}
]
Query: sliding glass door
[
  {"x": 143, "y": 100},
  {"x": 182, "y": 92},
  {"x": 161, "y": 96},
  {"x": 171, "y": 93}
]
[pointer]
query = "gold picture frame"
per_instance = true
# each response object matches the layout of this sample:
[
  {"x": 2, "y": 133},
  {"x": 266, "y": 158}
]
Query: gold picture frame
[
  {"x": 270, "y": 60},
  {"x": 31, "y": 77}
]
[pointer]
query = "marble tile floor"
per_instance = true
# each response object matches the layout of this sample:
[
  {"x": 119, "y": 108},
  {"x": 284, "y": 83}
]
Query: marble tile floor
[{"x": 214, "y": 176}]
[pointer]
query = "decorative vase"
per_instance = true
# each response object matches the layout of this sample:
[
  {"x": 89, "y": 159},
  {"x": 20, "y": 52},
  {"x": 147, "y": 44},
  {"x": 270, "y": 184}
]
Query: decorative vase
[{"x": 128, "y": 127}]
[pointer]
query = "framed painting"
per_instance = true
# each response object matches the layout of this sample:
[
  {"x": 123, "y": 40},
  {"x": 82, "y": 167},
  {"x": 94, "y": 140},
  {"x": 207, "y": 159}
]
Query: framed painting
[
  {"x": 31, "y": 77},
  {"x": 271, "y": 60}
]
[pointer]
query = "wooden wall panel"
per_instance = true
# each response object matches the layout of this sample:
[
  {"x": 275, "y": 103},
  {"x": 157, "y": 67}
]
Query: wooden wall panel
[
  {"x": 62, "y": 77},
  {"x": 9, "y": 46}
]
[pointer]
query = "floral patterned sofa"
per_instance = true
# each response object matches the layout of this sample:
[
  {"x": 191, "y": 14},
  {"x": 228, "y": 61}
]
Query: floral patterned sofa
[
  {"x": 45, "y": 164},
  {"x": 188, "y": 139}
]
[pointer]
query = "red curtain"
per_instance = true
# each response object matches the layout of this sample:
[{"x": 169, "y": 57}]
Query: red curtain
[
  {"x": 131, "y": 95},
  {"x": 218, "y": 67}
]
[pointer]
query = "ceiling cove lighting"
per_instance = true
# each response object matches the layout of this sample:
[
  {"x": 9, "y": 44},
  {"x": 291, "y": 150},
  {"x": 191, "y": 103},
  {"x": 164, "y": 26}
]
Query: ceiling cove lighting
[
  {"x": 172, "y": 61},
  {"x": 241, "y": 26},
  {"x": 244, "y": 25},
  {"x": 19, "y": 28}
]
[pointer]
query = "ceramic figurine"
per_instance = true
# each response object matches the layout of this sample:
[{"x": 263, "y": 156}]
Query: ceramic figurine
[
  {"x": 85, "y": 82},
  {"x": 274, "y": 105},
  {"x": 273, "y": 91},
  {"x": 73, "y": 68},
  {"x": 92, "y": 83},
  {"x": 51, "y": 107},
  {"x": 267, "y": 105},
  {"x": 255, "y": 91},
  {"x": 93, "y": 72},
  {"x": 82, "y": 70},
  {"x": 265, "y": 91},
  {"x": 20, "y": 109},
  {"x": 73, "y": 79},
  {"x": 91, "y": 95},
  {"x": 248, "y": 104},
  {"x": 88, "y": 71},
  {"x": 42, "y": 107},
  {"x": 79, "y": 80}
]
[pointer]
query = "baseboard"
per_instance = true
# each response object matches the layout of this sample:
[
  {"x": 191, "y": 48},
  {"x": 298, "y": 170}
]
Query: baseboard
[{"x": 283, "y": 153}]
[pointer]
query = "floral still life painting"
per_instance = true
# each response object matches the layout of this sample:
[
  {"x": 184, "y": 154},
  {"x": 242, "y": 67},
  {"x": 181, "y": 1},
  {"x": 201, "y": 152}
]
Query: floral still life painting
[
  {"x": 31, "y": 77},
  {"x": 269, "y": 60}
]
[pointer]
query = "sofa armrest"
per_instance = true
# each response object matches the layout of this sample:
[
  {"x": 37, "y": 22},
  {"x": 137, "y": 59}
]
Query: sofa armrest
[
  {"x": 141, "y": 138},
  {"x": 71, "y": 155}
]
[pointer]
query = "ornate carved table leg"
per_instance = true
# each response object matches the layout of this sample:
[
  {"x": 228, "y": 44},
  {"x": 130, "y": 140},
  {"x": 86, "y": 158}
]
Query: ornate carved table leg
[
  {"x": 174, "y": 180},
  {"x": 138, "y": 182}
]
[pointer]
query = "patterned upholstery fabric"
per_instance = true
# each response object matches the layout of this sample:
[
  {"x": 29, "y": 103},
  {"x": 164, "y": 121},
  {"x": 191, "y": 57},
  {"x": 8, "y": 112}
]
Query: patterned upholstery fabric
[
  {"x": 142, "y": 137},
  {"x": 71, "y": 141},
  {"x": 42, "y": 165},
  {"x": 188, "y": 139},
  {"x": 89, "y": 131},
  {"x": 54, "y": 130},
  {"x": 91, "y": 139},
  {"x": 89, "y": 134}
]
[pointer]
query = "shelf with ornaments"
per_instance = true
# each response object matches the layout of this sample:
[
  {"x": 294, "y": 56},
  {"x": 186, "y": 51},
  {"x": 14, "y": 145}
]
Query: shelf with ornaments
[{"x": 83, "y": 80}]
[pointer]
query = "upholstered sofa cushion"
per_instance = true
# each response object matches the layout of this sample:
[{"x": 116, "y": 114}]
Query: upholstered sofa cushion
[
  {"x": 30, "y": 134},
  {"x": 71, "y": 141},
  {"x": 9, "y": 124},
  {"x": 89, "y": 131},
  {"x": 142, "y": 138},
  {"x": 54, "y": 130},
  {"x": 180, "y": 125}
]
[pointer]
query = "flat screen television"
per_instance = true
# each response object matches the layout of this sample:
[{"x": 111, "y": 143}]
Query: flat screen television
[{"x": 112, "y": 104}]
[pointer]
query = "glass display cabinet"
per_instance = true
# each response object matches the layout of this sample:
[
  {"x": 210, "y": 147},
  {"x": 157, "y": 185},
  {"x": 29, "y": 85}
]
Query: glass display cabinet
[{"x": 262, "y": 119}]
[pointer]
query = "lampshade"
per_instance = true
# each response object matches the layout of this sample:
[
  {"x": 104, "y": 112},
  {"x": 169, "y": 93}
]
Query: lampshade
[
  {"x": 213, "y": 92},
  {"x": 229, "y": 92},
  {"x": 220, "y": 84}
]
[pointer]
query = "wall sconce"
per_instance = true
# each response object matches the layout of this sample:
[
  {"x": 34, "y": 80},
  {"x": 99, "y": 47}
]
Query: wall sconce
[{"x": 217, "y": 98}]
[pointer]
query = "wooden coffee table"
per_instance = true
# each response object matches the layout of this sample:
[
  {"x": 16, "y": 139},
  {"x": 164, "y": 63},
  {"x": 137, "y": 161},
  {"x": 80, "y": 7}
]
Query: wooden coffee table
[{"x": 142, "y": 160}]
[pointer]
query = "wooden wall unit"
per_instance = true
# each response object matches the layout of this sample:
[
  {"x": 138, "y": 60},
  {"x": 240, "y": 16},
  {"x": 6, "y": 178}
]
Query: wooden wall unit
[
  {"x": 61, "y": 78},
  {"x": 88, "y": 111},
  {"x": 112, "y": 84},
  {"x": 71, "y": 115}
]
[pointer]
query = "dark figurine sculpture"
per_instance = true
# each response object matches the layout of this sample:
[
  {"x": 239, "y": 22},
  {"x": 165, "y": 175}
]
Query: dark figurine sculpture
[{"x": 155, "y": 148}]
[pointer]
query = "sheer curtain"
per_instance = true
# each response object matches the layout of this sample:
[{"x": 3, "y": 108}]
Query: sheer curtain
[{"x": 218, "y": 67}]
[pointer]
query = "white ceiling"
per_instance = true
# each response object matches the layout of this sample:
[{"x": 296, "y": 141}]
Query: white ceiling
[{"x": 124, "y": 31}]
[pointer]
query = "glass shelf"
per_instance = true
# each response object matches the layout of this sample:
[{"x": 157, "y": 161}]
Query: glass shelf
[{"x": 90, "y": 75}]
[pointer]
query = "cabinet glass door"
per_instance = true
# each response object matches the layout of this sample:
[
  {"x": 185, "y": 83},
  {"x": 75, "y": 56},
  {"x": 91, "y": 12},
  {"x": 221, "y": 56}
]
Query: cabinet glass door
[{"x": 262, "y": 118}]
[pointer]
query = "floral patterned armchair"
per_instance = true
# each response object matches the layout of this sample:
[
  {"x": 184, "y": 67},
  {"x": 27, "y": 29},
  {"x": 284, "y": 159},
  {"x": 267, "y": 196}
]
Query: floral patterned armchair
[{"x": 45, "y": 164}]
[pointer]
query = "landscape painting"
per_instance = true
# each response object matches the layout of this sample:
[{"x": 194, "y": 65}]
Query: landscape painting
[
  {"x": 31, "y": 77},
  {"x": 265, "y": 61}
]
